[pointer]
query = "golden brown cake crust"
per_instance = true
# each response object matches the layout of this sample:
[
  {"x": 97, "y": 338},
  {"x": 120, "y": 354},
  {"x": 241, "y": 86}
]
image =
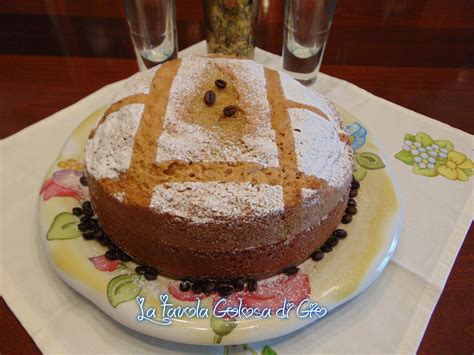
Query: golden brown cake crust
[{"x": 254, "y": 193}]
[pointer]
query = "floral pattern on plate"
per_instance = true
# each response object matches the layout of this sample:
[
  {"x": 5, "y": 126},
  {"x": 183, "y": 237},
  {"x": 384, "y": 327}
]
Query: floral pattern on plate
[
  {"x": 363, "y": 161},
  {"x": 429, "y": 157}
]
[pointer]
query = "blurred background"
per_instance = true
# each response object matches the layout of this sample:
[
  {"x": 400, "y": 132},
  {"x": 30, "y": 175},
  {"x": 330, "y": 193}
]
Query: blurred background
[
  {"x": 388, "y": 47},
  {"x": 433, "y": 32}
]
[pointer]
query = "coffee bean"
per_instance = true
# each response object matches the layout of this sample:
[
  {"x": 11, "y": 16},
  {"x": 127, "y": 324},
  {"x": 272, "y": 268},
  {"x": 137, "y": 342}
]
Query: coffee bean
[
  {"x": 221, "y": 84},
  {"x": 197, "y": 286},
  {"x": 77, "y": 211},
  {"x": 112, "y": 246},
  {"x": 292, "y": 270},
  {"x": 85, "y": 219},
  {"x": 87, "y": 211},
  {"x": 209, "y": 97},
  {"x": 98, "y": 234},
  {"x": 93, "y": 224},
  {"x": 347, "y": 218},
  {"x": 88, "y": 235},
  {"x": 351, "y": 202},
  {"x": 150, "y": 276},
  {"x": 123, "y": 256},
  {"x": 225, "y": 291},
  {"x": 230, "y": 111},
  {"x": 151, "y": 273},
  {"x": 351, "y": 210},
  {"x": 239, "y": 284},
  {"x": 83, "y": 227},
  {"x": 83, "y": 181},
  {"x": 95, "y": 228},
  {"x": 221, "y": 284},
  {"x": 340, "y": 233},
  {"x": 353, "y": 193},
  {"x": 332, "y": 242},
  {"x": 326, "y": 248},
  {"x": 209, "y": 287},
  {"x": 140, "y": 270},
  {"x": 86, "y": 204},
  {"x": 355, "y": 184},
  {"x": 103, "y": 240},
  {"x": 184, "y": 286},
  {"x": 317, "y": 255},
  {"x": 111, "y": 255},
  {"x": 251, "y": 284},
  {"x": 151, "y": 270},
  {"x": 204, "y": 283}
]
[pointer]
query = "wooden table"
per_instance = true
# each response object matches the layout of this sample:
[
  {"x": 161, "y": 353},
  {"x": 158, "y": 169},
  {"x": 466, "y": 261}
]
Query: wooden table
[{"x": 416, "y": 53}]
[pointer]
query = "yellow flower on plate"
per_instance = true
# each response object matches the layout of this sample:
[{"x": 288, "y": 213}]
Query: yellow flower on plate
[
  {"x": 71, "y": 164},
  {"x": 455, "y": 166}
]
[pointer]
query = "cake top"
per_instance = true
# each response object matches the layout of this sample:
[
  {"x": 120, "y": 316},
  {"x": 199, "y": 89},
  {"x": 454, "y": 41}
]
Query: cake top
[{"x": 211, "y": 137}]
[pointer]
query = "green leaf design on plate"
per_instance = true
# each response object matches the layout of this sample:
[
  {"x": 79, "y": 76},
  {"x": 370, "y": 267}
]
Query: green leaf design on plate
[
  {"x": 409, "y": 137},
  {"x": 247, "y": 347},
  {"x": 369, "y": 160},
  {"x": 445, "y": 144},
  {"x": 424, "y": 172},
  {"x": 64, "y": 226},
  {"x": 268, "y": 351},
  {"x": 424, "y": 139},
  {"x": 405, "y": 157},
  {"x": 222, "y": 327},
  {"x": 122, "y": 288},
  {"x": 359, "y": 172}
]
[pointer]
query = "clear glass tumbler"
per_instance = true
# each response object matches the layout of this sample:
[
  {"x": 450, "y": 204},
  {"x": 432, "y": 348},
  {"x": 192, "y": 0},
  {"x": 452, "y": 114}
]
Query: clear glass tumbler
[
  {"x": 152, "y": 25},
  {"x": 306, "y": 29},
  {"x": 231, "y": 26}
]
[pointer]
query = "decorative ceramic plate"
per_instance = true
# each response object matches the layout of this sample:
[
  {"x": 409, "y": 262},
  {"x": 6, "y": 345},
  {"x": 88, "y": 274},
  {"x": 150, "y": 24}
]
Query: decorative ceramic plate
[{"x": 319, "y": 287}]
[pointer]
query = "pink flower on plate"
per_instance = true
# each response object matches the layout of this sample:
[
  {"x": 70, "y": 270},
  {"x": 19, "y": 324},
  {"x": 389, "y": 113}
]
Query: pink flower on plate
[
  {"x": 103, "y": 264},
  {"x": 270, "y": 293},
  {"x": 64, "y": 183}
]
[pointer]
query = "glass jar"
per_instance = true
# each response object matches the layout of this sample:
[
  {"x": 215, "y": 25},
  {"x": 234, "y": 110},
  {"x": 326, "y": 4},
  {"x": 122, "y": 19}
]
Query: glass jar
[{"x": 231, "y": 26}]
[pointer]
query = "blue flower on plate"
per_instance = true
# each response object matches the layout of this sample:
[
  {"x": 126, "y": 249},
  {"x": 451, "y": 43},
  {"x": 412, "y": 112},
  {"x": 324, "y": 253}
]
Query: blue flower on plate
[{"x": 357, "y": 135}]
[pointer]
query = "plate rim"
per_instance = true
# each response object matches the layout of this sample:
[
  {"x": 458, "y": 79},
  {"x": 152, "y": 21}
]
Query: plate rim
[{"x": 373, "y": 272}]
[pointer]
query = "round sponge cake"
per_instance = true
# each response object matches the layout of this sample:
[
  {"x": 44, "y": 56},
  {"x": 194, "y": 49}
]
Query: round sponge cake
[{"x": 248, "y": 182}]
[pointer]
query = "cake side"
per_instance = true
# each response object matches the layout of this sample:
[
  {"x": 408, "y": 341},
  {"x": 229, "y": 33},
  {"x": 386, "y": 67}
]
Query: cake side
[{"x": 210, "y": 256}]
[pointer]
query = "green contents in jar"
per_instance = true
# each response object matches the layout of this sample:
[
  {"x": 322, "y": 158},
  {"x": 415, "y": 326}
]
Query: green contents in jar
[{"x": 231, "y": 26}]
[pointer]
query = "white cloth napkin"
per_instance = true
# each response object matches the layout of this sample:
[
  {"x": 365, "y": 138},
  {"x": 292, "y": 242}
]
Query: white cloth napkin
[{"x": 390, "y": 317}]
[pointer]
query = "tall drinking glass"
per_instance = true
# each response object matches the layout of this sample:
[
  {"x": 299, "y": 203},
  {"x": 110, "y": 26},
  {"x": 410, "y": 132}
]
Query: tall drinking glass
[
  {"x": 152, "y": 25},
  {"x": 307, "y": 24}
]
